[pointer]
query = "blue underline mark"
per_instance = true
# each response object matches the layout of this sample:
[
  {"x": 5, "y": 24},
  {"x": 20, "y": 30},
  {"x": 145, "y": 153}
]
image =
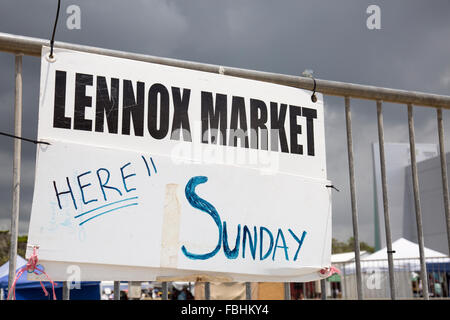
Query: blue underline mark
[
  {"x": 105, "y": 205},
  {"x": 100, "y": 214}
]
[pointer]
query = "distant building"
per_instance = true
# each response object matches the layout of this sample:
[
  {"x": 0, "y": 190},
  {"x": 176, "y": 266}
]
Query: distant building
[
  {"x": 401, "y": 198},
  {"x": 431, "y": 203}
]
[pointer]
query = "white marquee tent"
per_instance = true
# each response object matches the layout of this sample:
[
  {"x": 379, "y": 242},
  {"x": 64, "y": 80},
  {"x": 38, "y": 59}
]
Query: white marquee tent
[
  {"x": 374, "y": 268},
  {"x": 406, "y": 258}
]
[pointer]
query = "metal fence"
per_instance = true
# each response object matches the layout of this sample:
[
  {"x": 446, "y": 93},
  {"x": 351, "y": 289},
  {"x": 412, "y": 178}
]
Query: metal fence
[
  {"x": 20, "y": 45},
  {"x": 407, "y": 274}
]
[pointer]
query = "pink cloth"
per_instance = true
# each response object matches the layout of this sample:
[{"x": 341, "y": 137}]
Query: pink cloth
[{"x": 327, "y": 272}]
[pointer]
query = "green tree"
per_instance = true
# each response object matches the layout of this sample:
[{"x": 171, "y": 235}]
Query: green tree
[
  {"x": 5, "y": 240},
  {"x": 340, "y": 247}
]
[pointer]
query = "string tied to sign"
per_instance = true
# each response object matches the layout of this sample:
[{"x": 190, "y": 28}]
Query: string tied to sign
[
  {"x": 24, "y": 139},
  {"x": 52, "y": 41},
  {"x": 313, "y": 96},
  {"x": 309, "y": 74},
  {"x": 32, "y": 266}
]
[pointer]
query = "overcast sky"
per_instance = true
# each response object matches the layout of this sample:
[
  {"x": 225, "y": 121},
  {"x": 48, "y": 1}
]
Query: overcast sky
[{"x": 411, "y": 52}]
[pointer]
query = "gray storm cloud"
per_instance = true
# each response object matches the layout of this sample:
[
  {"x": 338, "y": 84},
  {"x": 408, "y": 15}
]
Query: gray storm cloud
[{"x": 330, "y": 37}]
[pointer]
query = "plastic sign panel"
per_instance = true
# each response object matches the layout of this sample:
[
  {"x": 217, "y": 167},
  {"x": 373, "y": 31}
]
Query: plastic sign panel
[{"x": 161, "y": 173}]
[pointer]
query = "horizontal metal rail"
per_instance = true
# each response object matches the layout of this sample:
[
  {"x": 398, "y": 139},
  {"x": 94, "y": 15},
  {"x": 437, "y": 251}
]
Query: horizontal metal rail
[
  {"x": 32, "y": 46},
  {"x": 430, "y": 259}
]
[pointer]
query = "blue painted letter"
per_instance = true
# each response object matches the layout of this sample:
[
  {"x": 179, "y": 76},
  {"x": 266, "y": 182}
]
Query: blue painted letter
[
  {"x": 204, "y": 206},
  {"x": 300, "y": 242},
  {"x": 280, "y": 233},
  {"x": 231, "y": 254},
  {"x": 252, "y": 244},
  {"x": 64, "y": 192},
  {"x": 261, "y": 229},
  {"x": 84, "y": 186},
  {"x": 103, "y": 185},
  {"x": 125, "y": 177}
]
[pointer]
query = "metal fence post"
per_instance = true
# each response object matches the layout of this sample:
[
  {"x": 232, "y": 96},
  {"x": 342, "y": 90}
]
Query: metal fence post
[
  {"x": 287, "y": 291},
  {"x": 248, "y": 291},
  {"x": 387, "y": 222},
  {"x": 207, "y": 291},
  {"x": 66, "y": 290},
  {"x": 348, "y": 119},
  {"x": 420, "y": 240},
  {"x": 116, "y": 290},
  {"x": 444, "y": 172},
  {"x": 344, "y": 280},
  {"x": 16, "y": 171},
  {"x": 323, "y": 288},
  {"x": 165, "y": 290}
]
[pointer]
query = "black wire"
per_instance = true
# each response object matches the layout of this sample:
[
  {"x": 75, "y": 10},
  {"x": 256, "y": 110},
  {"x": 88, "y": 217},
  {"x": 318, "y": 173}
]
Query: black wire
[
  {"x": 52, "y": 41},
  {"x": 332, "y": 187},
  {"x": 25, "y": 139},
  {"x": 313, "y": 97}
]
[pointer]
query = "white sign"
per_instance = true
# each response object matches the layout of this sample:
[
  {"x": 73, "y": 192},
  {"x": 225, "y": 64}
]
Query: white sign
[{"x": 156, "y": 172}]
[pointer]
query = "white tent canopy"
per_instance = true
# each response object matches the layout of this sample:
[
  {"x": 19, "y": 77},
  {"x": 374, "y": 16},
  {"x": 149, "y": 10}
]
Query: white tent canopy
[
  {"x": 404, "y": 249},
  {"x": 4, "y": 269},
  {"x": 346, "y": 256},
  {"x": 406, "y": 257}
]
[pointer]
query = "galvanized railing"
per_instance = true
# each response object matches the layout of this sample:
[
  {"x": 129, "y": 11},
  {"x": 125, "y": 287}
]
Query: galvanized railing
[
  {"x": 20, "y": 45},
  {"x": 409, "y": 284}
]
